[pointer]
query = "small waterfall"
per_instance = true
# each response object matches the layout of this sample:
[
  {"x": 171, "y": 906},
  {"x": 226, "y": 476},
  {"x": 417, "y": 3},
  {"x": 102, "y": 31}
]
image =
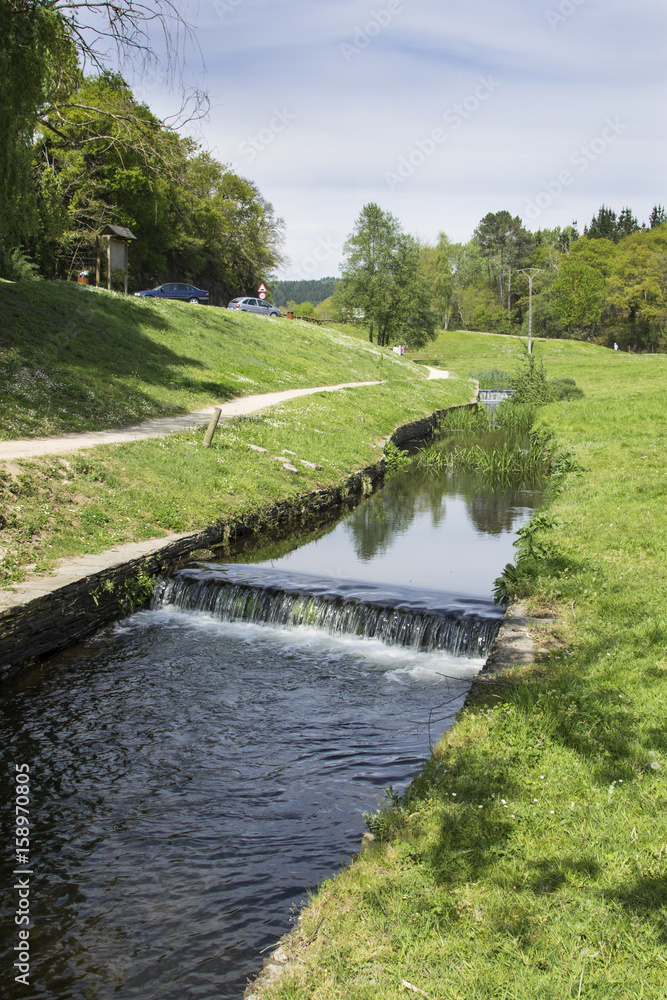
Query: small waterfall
[
  {"x": 494, "y": 395},
  {"x": 419, "y": 620}
]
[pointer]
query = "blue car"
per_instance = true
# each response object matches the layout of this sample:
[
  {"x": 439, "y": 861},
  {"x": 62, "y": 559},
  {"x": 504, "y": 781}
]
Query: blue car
[{"x": 177, "y": 290}]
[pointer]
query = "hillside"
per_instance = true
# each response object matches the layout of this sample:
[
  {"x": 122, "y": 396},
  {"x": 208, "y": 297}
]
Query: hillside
[
  {"x": 80, "y": 358},
  {"x": 74, "y": 358},
  {"x": 313, "y": 290}
]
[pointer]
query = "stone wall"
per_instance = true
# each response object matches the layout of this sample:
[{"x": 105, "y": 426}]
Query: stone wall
[{"x": 60, "y": 616}]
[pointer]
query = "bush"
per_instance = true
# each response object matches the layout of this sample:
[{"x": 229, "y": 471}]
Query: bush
[
  {"x": 565, "y": 388},
  {"x": 529, "y": 381},
  {"x": 15, "y": 266}
]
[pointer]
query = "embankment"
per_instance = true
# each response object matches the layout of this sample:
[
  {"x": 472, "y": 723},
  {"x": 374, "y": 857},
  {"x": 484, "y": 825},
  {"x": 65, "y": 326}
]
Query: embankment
[
  {"x": 527, "y": 859},
  {"x": 83, "y": 594}
]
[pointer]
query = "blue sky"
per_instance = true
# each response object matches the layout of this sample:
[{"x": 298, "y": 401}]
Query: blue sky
[{"x": 438, "y": 111}]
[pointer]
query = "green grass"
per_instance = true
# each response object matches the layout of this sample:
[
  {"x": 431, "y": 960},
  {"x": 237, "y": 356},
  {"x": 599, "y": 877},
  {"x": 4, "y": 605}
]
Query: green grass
[
  {"x": 528, "y": 860},
  {"x": 58, "y": 507},
  {"x": 598, "y": 371},
  {"x": 76, "y": 358}
]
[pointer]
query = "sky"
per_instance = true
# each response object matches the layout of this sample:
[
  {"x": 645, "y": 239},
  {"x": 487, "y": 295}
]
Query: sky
[{"x": 440, "y": 111}]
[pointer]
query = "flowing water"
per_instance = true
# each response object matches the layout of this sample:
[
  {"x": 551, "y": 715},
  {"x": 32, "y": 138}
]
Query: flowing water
[{"x": 196, "y": 767}]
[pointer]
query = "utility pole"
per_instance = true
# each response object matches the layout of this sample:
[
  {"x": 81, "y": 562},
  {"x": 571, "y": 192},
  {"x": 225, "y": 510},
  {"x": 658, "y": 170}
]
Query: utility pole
[{"x": 527, "y": 272}]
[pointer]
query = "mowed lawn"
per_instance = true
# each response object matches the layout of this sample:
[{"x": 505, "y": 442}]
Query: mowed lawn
[
  {"x": 80, "y": 359},
  {"x": 75, "y": 358}
]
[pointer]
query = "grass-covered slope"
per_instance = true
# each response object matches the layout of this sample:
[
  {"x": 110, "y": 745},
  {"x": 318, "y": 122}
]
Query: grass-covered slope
[
  {"x": 54, "y": 508},
  {"x": 529, "y": 860},
  {"x": 599, "y": 371},
  {"x": 79, "y": 358}
]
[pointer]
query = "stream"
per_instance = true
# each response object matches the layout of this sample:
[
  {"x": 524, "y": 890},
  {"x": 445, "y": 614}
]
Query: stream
[{"x": 197, "y": 767}]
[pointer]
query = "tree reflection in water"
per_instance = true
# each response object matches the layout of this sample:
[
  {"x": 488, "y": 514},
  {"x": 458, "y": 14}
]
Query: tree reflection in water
[{"x": 492, "y": 508}]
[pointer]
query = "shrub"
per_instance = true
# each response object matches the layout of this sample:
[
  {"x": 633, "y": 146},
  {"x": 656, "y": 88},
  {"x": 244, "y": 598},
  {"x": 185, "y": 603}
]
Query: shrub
[
  {"x": 565, "y": 388},
  {"x": 529, "y": 381}
]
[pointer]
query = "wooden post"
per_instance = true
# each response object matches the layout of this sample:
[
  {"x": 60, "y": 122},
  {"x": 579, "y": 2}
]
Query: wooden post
[
  {"x": 212, "y": 424},
  {"x": 97, "y": 261},
  {"x": 126, "y": 246},
  {"x": 108, "y": 263}
]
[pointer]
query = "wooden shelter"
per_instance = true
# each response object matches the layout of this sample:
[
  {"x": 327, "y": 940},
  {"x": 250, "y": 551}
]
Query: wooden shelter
[{"x": 117, "y": 244}]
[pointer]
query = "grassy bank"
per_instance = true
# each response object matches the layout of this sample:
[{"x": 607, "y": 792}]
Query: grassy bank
[
  {"x": 529, "y": 858},
  {"x": 58, "y": 507},
  {"x": 76, "y": 358}
]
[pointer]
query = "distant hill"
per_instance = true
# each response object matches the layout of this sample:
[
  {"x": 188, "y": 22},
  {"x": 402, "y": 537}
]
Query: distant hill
[{"x": 313, "y": 291}]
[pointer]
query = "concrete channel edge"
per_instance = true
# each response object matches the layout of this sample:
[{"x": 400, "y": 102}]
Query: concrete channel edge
[{"x": 47, "y": 614}]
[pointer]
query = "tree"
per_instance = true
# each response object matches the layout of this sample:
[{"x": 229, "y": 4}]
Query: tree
[
  {"x": 637, "y": 290},
  {"x": 626, "y": 224},
  {"x": 437, "y": 269},
  {"x": 366, "y": 271},
  {"x": 43, "y": 45},
  {"x": 506, "y": 243},
  {"x": 559, "y": 239},
  {"x": 381, "y": 275},
  {"x": 579, "y": 290},
  {"x": 37, "y": 61},
  {"x": 603, "y": 225},
  {"x": 657, "y": 216},
  {"x": 112, "y": 161},
  {"x": 443, "y": 284}
]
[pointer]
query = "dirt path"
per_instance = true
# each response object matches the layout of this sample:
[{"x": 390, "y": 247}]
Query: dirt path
[{"x": 35, "y": 447}]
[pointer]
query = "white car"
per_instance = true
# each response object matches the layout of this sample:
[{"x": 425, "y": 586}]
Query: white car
[{"x": 260, "y": 306}]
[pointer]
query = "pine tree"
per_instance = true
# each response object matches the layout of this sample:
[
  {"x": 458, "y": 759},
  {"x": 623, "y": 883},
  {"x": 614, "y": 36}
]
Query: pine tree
[
  {"x": 603, "y": 226},
  {"x": 626, "y": 224},
  {"x": 657, "y": 216}
]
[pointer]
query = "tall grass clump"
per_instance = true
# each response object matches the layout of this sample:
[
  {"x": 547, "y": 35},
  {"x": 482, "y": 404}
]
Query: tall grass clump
[
  {"x": 493, "y": 378},
  {"x": 501, "y": 464},
  {"x": 463, "y": 419},
  {"x": 517, "y": 418}
]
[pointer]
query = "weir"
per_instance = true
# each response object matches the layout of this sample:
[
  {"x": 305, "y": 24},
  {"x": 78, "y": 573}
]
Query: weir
[
  {"x": 414, "y": 619},
  {"x": 495, "y": 395},
  {"x": 199, "y": 764}
]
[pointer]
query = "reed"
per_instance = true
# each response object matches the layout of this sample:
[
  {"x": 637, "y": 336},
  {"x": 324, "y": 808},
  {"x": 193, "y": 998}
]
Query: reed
[
  {"x": 502, "y": 464},
  {"x": 517, "y": 417},
  {"x": 493, "y": 378},
  {"x": 463, "y": 419}
]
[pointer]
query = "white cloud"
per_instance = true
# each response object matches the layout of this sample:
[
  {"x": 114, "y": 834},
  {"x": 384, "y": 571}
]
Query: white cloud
[{"x": 562, "y": 69}]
